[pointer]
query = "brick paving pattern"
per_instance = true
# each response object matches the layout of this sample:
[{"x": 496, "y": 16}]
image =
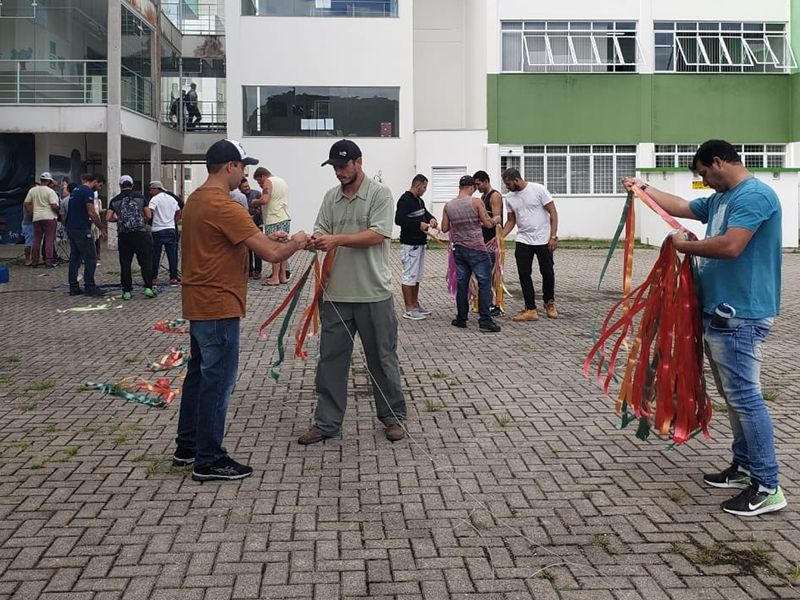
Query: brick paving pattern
[{"x": 514, "y": 483}]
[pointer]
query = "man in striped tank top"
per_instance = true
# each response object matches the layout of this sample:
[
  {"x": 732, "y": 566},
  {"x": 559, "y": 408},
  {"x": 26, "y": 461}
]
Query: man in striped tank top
[{"x": 464, "y": 218}]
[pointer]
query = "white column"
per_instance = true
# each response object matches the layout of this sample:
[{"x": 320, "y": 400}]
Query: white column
[{"x": 114, "y": 86}]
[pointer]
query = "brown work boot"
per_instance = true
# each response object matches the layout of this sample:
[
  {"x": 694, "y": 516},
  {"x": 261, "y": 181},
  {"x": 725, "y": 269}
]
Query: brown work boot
[
  {"x": 312, "y": 436},
  {"x": 394, "y": 432},
  {"x": 550, "y": 309},
  {"x": 529, "y": 314}
]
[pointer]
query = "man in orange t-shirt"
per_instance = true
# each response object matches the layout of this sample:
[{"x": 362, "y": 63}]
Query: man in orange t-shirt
[{"x": 217, "y": 234}]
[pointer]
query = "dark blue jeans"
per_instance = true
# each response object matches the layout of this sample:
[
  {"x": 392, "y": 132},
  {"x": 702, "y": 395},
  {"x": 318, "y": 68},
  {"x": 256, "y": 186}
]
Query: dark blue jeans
[
  {"x": 470, "y": 261},
  {"x": 169, "y": 240},
  {"x": 81, "y": 249},
  {"x": 210, "y": 377}
]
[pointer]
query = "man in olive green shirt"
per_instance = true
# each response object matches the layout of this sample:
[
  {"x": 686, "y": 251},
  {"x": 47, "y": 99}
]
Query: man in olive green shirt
[{"x": 356, "y": 220}]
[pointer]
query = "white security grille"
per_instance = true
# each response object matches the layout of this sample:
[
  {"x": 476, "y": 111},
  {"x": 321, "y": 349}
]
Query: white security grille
[{"x": 758, "y": 156}]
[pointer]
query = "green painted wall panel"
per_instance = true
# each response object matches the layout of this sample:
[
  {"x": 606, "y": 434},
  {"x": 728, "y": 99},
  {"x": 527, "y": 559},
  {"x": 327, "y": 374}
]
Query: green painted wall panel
[
  {"x": 746, "y": 108},
  {"x": 596, "y": 108},
  {"x": 564, "y": 109}
]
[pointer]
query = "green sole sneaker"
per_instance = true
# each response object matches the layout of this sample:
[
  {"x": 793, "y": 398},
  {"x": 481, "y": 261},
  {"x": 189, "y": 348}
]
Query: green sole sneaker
[
  {"x": 127, "y": 296},
  {"x": 751, "y": 502},
  {"x": 149, "y": 293},
  {"x": 731, "y": 477}
]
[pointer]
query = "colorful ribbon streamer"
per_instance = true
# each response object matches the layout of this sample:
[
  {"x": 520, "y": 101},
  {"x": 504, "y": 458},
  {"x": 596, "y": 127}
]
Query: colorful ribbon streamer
[
  {"x": 172, "y": 326},
  {"x": 663, "y": 384},
  {"x": 309, "y": 315},
  {"x": 177, "y": 357},
  {"x": 126, "y": 389}
]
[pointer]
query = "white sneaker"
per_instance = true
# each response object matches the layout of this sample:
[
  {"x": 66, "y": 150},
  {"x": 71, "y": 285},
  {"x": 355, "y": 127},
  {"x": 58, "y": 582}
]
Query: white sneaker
[
  {"x": 414, "y": 315},
  {"x": 422, "y": 310}
]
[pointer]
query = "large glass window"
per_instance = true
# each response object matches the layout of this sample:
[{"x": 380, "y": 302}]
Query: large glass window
[
  {"x": 319, "y": 8},
  {"x": 576, "y": 170},
  {"x": 137, "y": 63},
  {"x": 754, "y": 156},
  {"x": 53, "y": 52},
  {"x": 721, "y": 47},
  {"x": 321, "y": 111},
  {"x": 569, "y": 46}
]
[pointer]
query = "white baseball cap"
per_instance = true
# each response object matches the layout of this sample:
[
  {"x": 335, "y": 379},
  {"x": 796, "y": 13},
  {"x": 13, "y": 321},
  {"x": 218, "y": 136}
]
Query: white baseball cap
[
  {"x": 125, "y": 179},
  {"x": 46, "y": 177}
]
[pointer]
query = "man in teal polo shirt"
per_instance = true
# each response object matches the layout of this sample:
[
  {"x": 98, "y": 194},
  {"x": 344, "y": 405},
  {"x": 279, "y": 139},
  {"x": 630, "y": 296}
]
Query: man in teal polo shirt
[{"x": 356, "y": 219}]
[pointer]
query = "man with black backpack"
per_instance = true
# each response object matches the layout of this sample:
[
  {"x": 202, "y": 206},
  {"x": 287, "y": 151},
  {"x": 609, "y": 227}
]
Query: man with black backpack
[{"x": 130, "y": 212}]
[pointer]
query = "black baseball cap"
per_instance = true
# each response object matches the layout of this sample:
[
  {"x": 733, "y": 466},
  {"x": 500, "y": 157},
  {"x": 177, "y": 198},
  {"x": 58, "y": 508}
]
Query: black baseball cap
[
  {"x": 466, "y": 181},
  {"x": 225, "y": 151},
  {"x": 341, "y": 152}
]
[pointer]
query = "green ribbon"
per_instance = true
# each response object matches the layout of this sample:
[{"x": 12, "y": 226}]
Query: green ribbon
[
  {"x": 110, "y": 388},
  {"x": 286, "y": 321}
]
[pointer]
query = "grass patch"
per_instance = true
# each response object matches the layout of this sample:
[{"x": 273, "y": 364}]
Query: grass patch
[
  {"x": 129, "y": 360},
  {"x": 38, "y": 465},
  {"x": 20, "y": 444},
  {"x": 772, "y": 394},
  {"x": 12, "y": 359},
  {"x": 89, "y": 429},
  {"x": 121, "y": 437},
  {"x": 547, "y": 575},
  {"x": 5, "y": 379},
  {"x": 71, "y": 451},
  {"x": 159, "y": 465},
  {"x": 503, "y": 420},
  {"x": 39, "y": 387},
  {"x": 28, "y": 407},
  {"x": 431, "y": 406},
  {"x": 50, "y": 428},
  {"x": 676, "y": 495},
  {"x": 747, "y": 560},
  {"x": 794, "y": 576},
  {"x": 720, "y": 407},
  {"x": 437, "y": 374},
  {"x": 602, "y": 541}
]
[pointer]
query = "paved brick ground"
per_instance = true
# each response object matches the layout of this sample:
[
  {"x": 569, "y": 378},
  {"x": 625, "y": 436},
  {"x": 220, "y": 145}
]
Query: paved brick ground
[{"x": 514, "y": 484}]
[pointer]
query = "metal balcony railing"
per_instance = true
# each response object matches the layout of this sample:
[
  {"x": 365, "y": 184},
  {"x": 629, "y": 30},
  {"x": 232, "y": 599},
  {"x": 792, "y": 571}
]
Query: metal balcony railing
[
  {"x": 204, "y": 17},
  {"x": 137, "y": 92},
  {"x": 319, "y": 8},
  {"x": 179, "y": 115},
  {"x": 42, "y": 81}
]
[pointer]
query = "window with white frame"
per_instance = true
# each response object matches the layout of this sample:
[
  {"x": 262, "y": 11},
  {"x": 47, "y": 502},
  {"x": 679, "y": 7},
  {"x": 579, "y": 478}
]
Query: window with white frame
[
  {"x": 569, "y": 46},
  {"x": 576, "y": 170},
  {"x": 722, "y": 47},
  {"x": 755, "y": 156}
]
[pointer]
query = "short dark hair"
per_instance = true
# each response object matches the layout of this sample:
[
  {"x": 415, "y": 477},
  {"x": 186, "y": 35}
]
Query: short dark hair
[
  {"x": 100, "y": 178},
  {"x": 88, "y": 177},
  {"x": 714, "y": 148},
  {"x": 419, "y": 178},
  {"x": 262, "y": 171},
  {"x": 214, "y": 168},
  {"x": 511, "y": 173},
  {"x": 481, "y": 176},
  {"x": 126, "y": 185}
]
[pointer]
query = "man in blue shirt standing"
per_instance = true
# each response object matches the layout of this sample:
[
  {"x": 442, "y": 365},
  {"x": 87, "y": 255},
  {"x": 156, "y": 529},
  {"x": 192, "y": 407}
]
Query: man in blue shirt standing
[
  {"x": 80, "y": 216},
  {"x": 740, "y": 290}
]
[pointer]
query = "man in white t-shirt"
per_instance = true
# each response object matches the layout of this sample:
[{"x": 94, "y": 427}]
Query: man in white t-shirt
[
  {"x": 531, "y": 209},
  {"x": 165, "y": 212}
]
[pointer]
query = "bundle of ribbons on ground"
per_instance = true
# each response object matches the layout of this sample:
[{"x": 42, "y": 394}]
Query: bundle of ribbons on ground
[
  {"x": 659, "y": 323},
  {"x": 159, "y": 393},
  {"x": 310, "y": 315}
]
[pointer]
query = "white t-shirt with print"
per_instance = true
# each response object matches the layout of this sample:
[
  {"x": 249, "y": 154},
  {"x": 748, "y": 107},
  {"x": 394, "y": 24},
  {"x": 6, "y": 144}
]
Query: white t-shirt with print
[
  {"x": 533, "y": 221},
  {"x": 164, "y": 208}
]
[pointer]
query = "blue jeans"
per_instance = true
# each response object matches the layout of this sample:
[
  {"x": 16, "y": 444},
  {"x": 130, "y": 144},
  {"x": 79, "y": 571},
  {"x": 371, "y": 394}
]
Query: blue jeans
[
  {"x": 169, "y": 240},
  {"x": 210, "y": 377},
  {"x": 469, "y": 261},
  {"x": 734, "y": 351},
  {"x": 81, "y": 248}
]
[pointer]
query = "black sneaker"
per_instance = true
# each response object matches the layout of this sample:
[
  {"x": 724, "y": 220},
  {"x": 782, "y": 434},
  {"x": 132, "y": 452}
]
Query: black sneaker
[
  {"x": 76, "y": 292},
  {"x": 490, "y": 327},
  {"x": 458, "y": 323},
  {"x": 96, "y": 292},
  {"x": 750, "y": 502},
  {"x": 494, "y": 311},
  {"x": 731, "y": 477},
  {"x": 183, "y": 457},
  {"x": 223, "y": 470}
]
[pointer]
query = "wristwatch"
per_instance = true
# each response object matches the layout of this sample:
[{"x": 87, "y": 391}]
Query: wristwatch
[{"x": 554, "y": 237}]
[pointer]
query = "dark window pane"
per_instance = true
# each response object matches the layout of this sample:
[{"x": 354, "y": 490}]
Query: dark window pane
[{"x": 322, "y": 111}]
